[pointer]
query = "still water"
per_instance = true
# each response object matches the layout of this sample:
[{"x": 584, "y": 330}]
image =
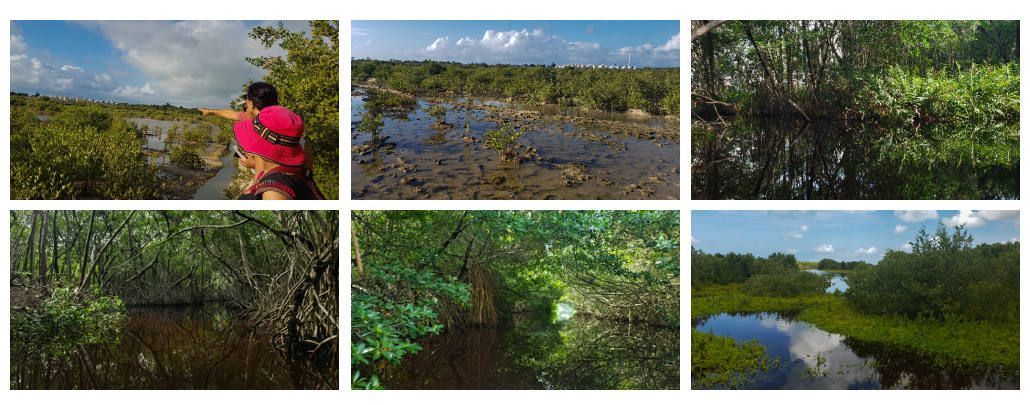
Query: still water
[
  {"x": 577, "y": 155},
  {"x": 195, "y": 347},
  {"x": 838, "y": 283},
  {"x": 539, "y": 353},
  {"x": 811, "y": 358},
  {"x": 836, "y": 160}
]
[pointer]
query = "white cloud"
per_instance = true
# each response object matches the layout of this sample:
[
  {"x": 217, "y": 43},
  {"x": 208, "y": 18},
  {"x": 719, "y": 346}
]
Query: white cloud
[
  {"x": 192, "y": 62},
  {"x": 797, "y": 234},
  {"x": 907, "y": 246},
  {"x": 915, "y": 216},
  {"x": 824, "y": 248},
  {"x": 999, "y": 215},
  {"x": 872, "y": 250},
  {"x": 792, "y": 251},
  {"x": 135, "y": 92},
  {"x": 970, "y": 219},
  {"x": 538, "y": 47},
  {"x": 693, "y": 240},
  {"x": 899, "y": 228}
]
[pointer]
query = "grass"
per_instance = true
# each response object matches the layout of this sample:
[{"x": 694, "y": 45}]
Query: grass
[
  {"x": 721, "y": 362},
  {"x": 949, "y": 342}
]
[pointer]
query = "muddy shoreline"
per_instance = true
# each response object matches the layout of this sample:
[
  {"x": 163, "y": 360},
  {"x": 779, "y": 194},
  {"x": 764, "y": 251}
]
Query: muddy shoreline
[
  {"x": 182, "y": 183},
  {"x": 563, "y": 155}
]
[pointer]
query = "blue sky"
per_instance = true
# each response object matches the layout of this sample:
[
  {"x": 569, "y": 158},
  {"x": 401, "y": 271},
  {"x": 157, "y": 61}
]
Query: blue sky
[
  {"x": 839, "y": 235},
  {"x": 651, "y": 43},
  {"x": 187, "y": 63}
]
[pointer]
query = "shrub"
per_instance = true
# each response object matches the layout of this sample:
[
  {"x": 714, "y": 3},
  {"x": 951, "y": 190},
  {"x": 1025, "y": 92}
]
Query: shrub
[
  {"x": 504, "y": 140},
  {"x": 791, "y": 283},
  {"x": 944, "y": 277},
  {"x": 186, "y": 157},
  {"x": 64, "y": 321}
]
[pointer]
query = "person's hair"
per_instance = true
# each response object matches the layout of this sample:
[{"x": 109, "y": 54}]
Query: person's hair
[{"x": 262, "y": 95}]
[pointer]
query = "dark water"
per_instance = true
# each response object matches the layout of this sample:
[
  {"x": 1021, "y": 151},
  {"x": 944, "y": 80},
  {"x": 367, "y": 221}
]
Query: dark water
[
  {"x": 534, "y": 353},
  {"x": 838, "y": 283},
  {"x": 578, "y": 160},
  {"x": 811, "y": 358},
  {"x": 782, "y": 159},
  {"x": 199, "y": 347}
]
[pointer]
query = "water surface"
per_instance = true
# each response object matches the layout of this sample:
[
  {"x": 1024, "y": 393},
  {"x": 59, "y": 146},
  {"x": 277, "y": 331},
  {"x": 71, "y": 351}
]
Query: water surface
[
  {"x": 811, "y": 358},
  {"x": 536, "y": 353},
  {"x": 195, "y": 347},
  {"x": 578, "y": 156}
]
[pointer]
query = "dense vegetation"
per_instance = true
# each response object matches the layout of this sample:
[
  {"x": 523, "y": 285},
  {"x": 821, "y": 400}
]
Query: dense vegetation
[
  {"x": 654, "y": 90},
  {"x": 944, "y": 277},
  {"x": 73, "y": 273},
  {"x": 830, "y": 264},
  {"x": 846, "y": 103},
  {"x": 427, "y": 272},
  {"x": 946, "y": 299},
  {"x": 308, "y": 81}
]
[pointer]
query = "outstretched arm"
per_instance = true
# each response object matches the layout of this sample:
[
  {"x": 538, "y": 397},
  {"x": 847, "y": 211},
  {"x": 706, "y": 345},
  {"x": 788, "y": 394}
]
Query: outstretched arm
[{"x": 224, "y": 113}]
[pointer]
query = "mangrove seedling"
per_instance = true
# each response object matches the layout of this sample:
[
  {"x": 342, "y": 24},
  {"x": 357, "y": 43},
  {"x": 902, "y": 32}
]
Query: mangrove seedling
[{"x": 505, "y": 140}]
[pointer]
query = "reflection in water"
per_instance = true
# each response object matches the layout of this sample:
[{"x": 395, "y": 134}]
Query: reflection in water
[
  {"x": 174, "y": 348},
  {"x": 811, "y": 358},
  {"x": 623, "y": 157},
  {"x": 581, "y": 353},
  {"x": 783, "y": 159},
  {"x": 838, "y": 283}
]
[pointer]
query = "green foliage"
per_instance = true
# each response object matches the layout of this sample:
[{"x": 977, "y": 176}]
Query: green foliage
[
  {"x": 789, "y": 283},
  {"x": 830, "y": 264},
  {"x": 505, "y": 141},
  {"x": 185, "y": 156},
  {"x": 429, "y": 269},
  {"x": 371, "y": 123},
  {"x": 706, "y": 269},
  {"x": 308, "y": 82},
  {"x": 721, "y": 362},
  {"x": 655, "y": 91},
  {"x": 385, "y": 323},
  {"x": 943, "y": 278},
  {"x": 438, "y": 112},
  {"x": 379, "y": 102},
  {"x": 975, "y": 94},
  {"x": 80, "y": 152},
  {"x": 65, "y": 321}
]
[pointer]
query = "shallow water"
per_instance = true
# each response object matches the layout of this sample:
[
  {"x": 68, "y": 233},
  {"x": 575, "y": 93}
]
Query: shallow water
[
  {"x": 811, "y": 358},
  {"x": 214, "y": 189},
  {"x": 197, "y": 347},
  {"x": 581, "y": 160},
  {"x": 535, "y": 353}
]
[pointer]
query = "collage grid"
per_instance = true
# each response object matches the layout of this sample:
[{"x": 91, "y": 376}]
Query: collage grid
[{"x": 446, "y": 185}]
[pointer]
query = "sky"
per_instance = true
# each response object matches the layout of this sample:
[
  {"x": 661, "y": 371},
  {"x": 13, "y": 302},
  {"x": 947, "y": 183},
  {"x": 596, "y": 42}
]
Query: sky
[
  {"x": 185, "y": 63},
  {"x": 651, "y": 43},
  {"x": 838, "y": 235}
]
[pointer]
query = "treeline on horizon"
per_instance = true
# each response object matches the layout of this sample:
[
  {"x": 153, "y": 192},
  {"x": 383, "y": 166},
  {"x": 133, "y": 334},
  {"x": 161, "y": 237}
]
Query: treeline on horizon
[
  {"x": 944, "y": 277},
  {"x": 653, "y": 90},
  {"x": 907, "y": 71},
  {"x": 73, "y": 273}
]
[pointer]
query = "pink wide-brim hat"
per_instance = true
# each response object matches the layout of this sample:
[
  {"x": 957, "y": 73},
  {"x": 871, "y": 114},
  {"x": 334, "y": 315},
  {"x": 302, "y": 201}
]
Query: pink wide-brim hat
[{"x": 275, "y": 135}]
